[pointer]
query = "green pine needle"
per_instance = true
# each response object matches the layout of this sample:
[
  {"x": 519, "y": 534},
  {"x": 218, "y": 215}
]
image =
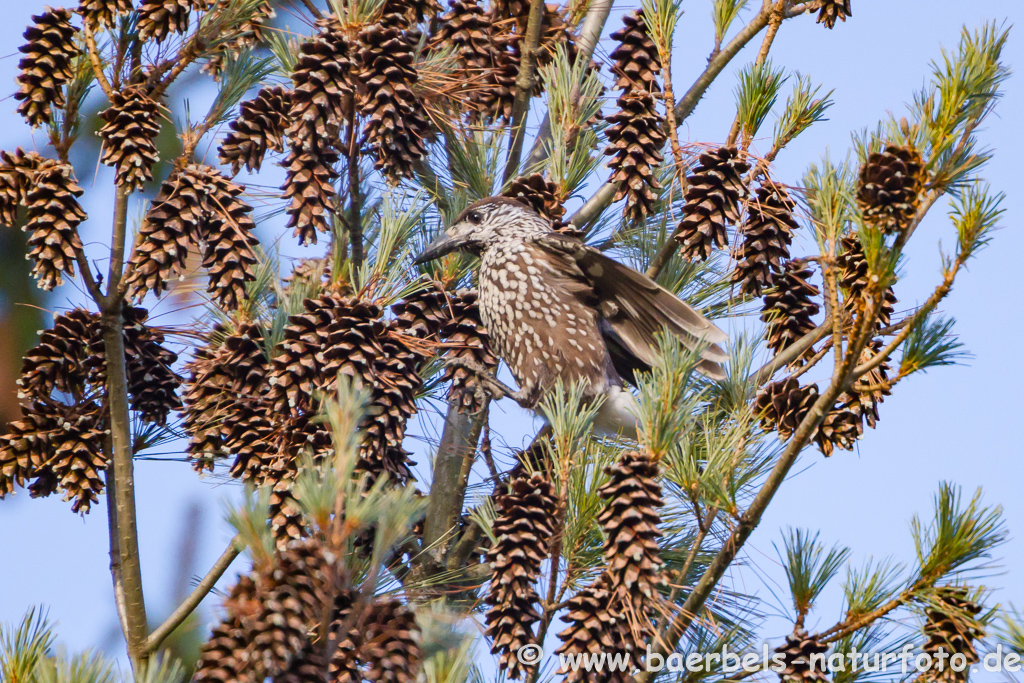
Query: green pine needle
[
  {"x": 931, "y": 344},
  {"x": 723, "y": 14},
  {"x": 809, "y": 567},
  {"x": 756, "y": 94},
  {"x": 24, "y": 646},
  {"x": 960, "y": 534},
  {"x": 804, "y": 108}
]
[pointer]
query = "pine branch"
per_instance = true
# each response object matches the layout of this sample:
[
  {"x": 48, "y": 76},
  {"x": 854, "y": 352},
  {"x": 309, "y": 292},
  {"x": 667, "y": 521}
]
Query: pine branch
[
  {"x": 590, "y": 34},
  {"x": 524, "y": 89},
  {"x": 202, "y": 589}
]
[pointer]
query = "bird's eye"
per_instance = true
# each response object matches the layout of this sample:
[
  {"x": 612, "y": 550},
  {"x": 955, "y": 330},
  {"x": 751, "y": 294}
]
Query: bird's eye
[{"x": 474, "y": 217}]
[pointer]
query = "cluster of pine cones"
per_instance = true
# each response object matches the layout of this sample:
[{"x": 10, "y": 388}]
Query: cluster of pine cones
[
  {"x": 614, "y": 613},
  {"x": 294, "y": 617},
  {"x": 888, "y": 196},
  {"x": 61, "y": 440}
]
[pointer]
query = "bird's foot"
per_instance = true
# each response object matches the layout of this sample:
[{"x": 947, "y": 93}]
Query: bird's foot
[{"x": 491, "y": 386}]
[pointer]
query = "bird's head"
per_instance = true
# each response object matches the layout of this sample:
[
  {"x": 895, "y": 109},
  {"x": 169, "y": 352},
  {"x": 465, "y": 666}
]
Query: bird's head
[{"x": 484, "y": 224}]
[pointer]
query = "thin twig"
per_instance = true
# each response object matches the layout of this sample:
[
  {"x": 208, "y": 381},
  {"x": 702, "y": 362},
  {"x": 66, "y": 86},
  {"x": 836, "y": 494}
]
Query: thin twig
[
  {"x": 524, "y": 89},
  {"x": 97, "y": 63},
  {"x": 202, "y": 589},
  {"x": 790, "y": 354}
]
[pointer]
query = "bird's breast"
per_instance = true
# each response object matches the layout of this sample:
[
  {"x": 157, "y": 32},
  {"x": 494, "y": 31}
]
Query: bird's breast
[{"x": 541, "y": 331}]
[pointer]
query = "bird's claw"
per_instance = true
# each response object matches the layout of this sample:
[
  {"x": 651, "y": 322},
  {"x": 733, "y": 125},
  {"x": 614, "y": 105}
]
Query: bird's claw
[{"x": 488, "y": 386}]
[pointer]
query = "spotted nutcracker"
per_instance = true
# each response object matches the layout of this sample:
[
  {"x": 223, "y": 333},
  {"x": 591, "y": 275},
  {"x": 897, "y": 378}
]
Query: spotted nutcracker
[{"x": 558, "y": 309}]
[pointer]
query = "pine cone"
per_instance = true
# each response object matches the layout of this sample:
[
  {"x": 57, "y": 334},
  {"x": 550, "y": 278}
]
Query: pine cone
[
  {"x": 864, "y": 402},
  {"x": 291, "y": 595},
  {"x": 494, "y": 98},
  {"x": 390, "y": 644},
  {"x": 223, "y": 656},
  {"x": 46, "y": 66},
  {"x": 250, "y": 33},
  {"x": 322, "y": 87},
  {"x": 259, "y": 128},
  {"x": 831, "y": 10},
  {"x": 630, "y": 521},
  {"x": 951, "y": 626},
  {"x": 129, "y": 137},
  {"x": 635, "y": 139},
  {"x": 152, "y": 383},
  {"x": 174, "y": 222},
  {"x": 767, "y": 233},
  {"x": 53, "y": 217},
  {"x": 16, "y": 172},
  {"x": 523, "y": 527},
  {"x": 396, "y": 126},
  {"x": 424, "y": 313},
  {"x": 841, "y": 428},
  {"x": 466, "y": 29},
  {"x": 59, "y": 445},
  {"x": 396, "y": 386},
  {"x": 309, "y": 665},
  {"x": 783, "y": 405},
  {"x": 466, "y": 337},
  {"x": 57, "y": 363},
  {"x": 789, "y": 307},
  {"x": 97, "y": 13},
  {"x": 158, "y": 19},
  {"x": 229, "y": 250},
  {"x": 797, "y": 654},
  {"x": 593, "y": 629},
  {"x": 890, "y": 189},
  {"x": 228, "y": 378},
  {"x": 854, "y": 277},
  {"x": 712, "y": 203},
  {"x": 539, "y": 194},
  {"x": 344, "y": 666},
  {"x": 309, "y": 184},
  {"x": 636, "y": 64}
]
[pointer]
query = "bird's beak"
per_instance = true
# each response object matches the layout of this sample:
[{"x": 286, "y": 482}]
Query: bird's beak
[{"x": 438, "y": 248}]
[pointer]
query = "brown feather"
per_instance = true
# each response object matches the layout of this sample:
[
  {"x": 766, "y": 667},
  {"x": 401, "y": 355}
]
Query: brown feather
[{"x": 634, "y": 309}]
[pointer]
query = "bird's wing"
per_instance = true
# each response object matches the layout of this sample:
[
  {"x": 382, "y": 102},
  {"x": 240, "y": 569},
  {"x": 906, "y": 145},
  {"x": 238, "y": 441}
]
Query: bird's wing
[{"x": 635, "y": 309}]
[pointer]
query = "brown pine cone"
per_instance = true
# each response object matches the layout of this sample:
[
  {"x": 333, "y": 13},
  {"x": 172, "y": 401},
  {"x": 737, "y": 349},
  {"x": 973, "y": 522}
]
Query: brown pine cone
[
  {"x": 259, "y": 128},
  {"x": 712, "y": 203},
  {"x": 97, "y": 13},
  {"x": 229, "y": 249},
  {"x": 596, "y": 630},
  {"x": 539, "y": 194},
  {"x": 158, "y": 19},
  {"x": 783, "y": 405},
  {"x": 630, "y": 520},
  {"x": 767, "y": 233},
  {"x": 635, "y": 139},
  {"x": 223, "y": 657},
  {"x": 833, "y": 10},
  {"x": 789, "y": 307},
  {"x": 891, "y": 183},
  {"x": 390, "y": 644},
  {"x": 129, "y": 136},
  {"x": 523, "y": 529},
  {"x": 173, "y": 224},
  {"x": 53, "y": 216},
  {"x": 465, "y": 336},
  {"x": 797, "y": 653},
  {"x": 396, "y": 122},
  {"x": 57, "y": 362},
  {"x": 46, "y": 66},
  {"x": 16, "y": 172}
]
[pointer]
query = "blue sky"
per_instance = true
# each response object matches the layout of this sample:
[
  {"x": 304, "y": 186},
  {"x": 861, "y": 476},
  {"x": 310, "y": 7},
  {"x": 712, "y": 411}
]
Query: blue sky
[{"x": 958, "y": 424}]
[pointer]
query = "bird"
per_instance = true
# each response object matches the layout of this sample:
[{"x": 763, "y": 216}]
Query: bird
[{"x": 558, "y": 310}]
